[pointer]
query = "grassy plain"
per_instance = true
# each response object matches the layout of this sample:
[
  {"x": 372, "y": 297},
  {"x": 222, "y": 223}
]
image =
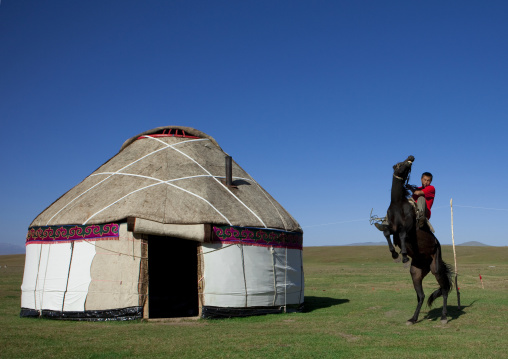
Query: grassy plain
[{"x": 357, "y": 303}]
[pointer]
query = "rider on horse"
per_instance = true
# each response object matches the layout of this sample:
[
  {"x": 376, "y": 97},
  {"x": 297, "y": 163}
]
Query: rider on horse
[{"x": 424, "y": 198}]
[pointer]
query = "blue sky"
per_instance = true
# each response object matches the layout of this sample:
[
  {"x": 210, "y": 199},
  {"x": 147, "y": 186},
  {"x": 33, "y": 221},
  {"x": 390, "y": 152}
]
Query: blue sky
[{"x": 315, "y": 99}]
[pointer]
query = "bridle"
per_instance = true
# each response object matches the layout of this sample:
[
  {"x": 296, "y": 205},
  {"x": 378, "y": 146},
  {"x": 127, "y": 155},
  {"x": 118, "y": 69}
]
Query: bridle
[{"x": 408, "y": 175}]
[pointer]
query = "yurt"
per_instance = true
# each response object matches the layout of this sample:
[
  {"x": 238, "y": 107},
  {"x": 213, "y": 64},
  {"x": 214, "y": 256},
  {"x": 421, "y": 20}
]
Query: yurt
[{"x": 168, "y": 227}]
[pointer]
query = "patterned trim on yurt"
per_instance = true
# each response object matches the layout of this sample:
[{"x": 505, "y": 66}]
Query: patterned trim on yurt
[
  {"x": 258, "y": 237},
  {"x": 66, "y": 234}
]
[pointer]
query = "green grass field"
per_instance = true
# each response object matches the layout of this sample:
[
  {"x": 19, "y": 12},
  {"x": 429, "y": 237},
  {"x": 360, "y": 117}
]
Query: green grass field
[{"x": 357, "y": 302}]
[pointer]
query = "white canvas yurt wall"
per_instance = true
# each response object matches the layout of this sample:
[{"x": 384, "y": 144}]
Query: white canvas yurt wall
[
  {"x": 74, "y": 275},
  {"x": 157, "y": 232},
  {"x": 251, "y": 268}
]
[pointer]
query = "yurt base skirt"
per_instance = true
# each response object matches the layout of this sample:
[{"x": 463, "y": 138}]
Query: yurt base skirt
[
  {"x": 130, "y": 313},
  {"x": 209, "y": 312}
]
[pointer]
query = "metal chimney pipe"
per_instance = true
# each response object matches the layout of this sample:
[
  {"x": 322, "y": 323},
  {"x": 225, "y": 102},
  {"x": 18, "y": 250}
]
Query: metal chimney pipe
[{"x": 229, "y": 171}]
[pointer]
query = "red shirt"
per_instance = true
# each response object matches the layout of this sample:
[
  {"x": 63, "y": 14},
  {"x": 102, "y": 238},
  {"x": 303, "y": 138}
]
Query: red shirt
[{"x": 429, "y": 192}]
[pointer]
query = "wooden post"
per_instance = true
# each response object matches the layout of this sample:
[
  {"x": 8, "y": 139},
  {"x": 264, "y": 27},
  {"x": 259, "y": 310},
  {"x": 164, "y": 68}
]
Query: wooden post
[
  {"x": 143, "y": 276},
  {"x": 455, "y": 258},
  {"x": 201, "y": 282}
]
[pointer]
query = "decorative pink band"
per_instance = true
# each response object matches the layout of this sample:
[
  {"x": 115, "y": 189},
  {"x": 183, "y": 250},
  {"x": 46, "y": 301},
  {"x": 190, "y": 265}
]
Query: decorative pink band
[
  {"x": 59, "y": 234},
  {"x": 258, "y": 237}
]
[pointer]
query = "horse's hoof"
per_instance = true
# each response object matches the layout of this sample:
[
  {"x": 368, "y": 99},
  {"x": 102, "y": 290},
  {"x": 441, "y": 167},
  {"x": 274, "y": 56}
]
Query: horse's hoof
[
  {"x": 395, "y": 255},
  {"x": 444, "y": 321},
  {"x": 405, "y": 259},
  {"x": 410, "y": 322}
]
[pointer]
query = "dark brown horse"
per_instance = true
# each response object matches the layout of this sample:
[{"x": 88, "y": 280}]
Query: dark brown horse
[{"x": 421, "y": 245}]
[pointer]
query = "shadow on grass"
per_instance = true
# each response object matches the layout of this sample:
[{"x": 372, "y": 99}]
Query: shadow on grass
[
  {"x": 453, "y": 312},
  {"x": 313, "y": 303}
]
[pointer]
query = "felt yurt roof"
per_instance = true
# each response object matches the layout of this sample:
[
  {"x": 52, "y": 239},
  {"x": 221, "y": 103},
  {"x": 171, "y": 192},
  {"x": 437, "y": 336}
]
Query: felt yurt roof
[{"x": 169, "y": 180}]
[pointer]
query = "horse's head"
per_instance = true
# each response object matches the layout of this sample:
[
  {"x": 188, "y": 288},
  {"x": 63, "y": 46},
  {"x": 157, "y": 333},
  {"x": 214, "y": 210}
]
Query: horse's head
[{"x": 402, "y": 169}]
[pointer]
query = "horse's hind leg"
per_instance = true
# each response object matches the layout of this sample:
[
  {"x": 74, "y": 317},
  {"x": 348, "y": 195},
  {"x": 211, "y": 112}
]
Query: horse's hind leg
[
  {"x": 444, "y": 314},
  {"x": 440, "y": 271},
  {"x": 417, "y": 274}
]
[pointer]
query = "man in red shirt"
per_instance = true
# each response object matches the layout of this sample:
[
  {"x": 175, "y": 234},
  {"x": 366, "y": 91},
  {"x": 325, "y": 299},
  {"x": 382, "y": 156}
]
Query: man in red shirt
[{"x": 424, "y": 198}]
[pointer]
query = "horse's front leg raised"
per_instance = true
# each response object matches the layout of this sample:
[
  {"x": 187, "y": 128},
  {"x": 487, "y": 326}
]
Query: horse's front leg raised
[
  {"x": 403, "y": 249},
  {"x": 395, "y": 255}
]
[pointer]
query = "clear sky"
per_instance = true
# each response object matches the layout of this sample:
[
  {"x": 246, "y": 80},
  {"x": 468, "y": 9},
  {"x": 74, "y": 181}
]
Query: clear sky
[{"x": 317, "y": 100}]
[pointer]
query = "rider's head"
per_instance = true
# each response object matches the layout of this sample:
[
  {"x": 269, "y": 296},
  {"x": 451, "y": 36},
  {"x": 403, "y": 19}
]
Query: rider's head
[{"x": 426, "y": 179}]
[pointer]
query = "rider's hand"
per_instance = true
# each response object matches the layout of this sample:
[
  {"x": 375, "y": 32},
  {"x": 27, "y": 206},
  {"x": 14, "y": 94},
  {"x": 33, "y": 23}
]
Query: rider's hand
[{"x": 411, "y": 187}]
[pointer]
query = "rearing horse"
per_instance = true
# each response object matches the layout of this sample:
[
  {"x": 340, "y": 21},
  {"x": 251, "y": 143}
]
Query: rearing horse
[
  {"x": 401, "y": 216},
  {"x": 421, "y": 245}
]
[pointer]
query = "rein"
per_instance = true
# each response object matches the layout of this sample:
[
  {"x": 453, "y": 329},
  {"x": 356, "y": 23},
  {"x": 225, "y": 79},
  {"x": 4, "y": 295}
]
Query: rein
[{"x": 402, "y": 179}]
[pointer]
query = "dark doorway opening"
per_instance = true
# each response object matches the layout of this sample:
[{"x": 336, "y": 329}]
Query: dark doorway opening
[{"x": 172, "y": 277}]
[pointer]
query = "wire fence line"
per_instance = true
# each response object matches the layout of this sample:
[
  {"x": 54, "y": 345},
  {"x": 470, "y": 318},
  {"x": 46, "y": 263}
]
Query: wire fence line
[
  {"x": 329, "y": 224},
  {"x": 492, "y": 209},
  {"x": 367, "y": 219}
]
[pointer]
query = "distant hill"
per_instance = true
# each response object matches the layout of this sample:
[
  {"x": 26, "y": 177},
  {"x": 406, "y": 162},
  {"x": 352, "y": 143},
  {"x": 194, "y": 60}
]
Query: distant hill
[
  {"x": 7, "y": 248},
  {"x": 474, "y": 244},
  {"x": 382, "y": 243}
]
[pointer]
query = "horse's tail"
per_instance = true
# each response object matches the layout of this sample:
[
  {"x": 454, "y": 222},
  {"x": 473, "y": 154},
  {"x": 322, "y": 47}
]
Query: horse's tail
[{"x": 444, "y": 275}]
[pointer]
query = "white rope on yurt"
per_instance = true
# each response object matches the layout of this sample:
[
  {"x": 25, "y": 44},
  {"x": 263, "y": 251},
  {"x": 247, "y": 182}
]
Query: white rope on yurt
[
  {"x": 204, "y": 169},
  {"x": 95, "y": 185},
  {"x": 272, "y": 251},
  {"x": 269, "y": 200},
  {"x": 45, "y": 275},
  {"x": 285, "y": 281},
  {"x": 152, "y": 185},
  {"x": 195, "y": 195},
  {"x": 37, "y": 279},
  {"x": 159, "y": 182},
  {"x": 127, "y": 195},
  {"x": 149, "y": 177},
  {"x": 168, "y": 183},
  {"x": 218, "y": 249},
  {"x": 68, "y": 274},
  {"x": 135, "y": 256},
  {"x": 110, "y": 250},
  {"x": 301, "y": 276},
  {"x": 244, "y": 278}
]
